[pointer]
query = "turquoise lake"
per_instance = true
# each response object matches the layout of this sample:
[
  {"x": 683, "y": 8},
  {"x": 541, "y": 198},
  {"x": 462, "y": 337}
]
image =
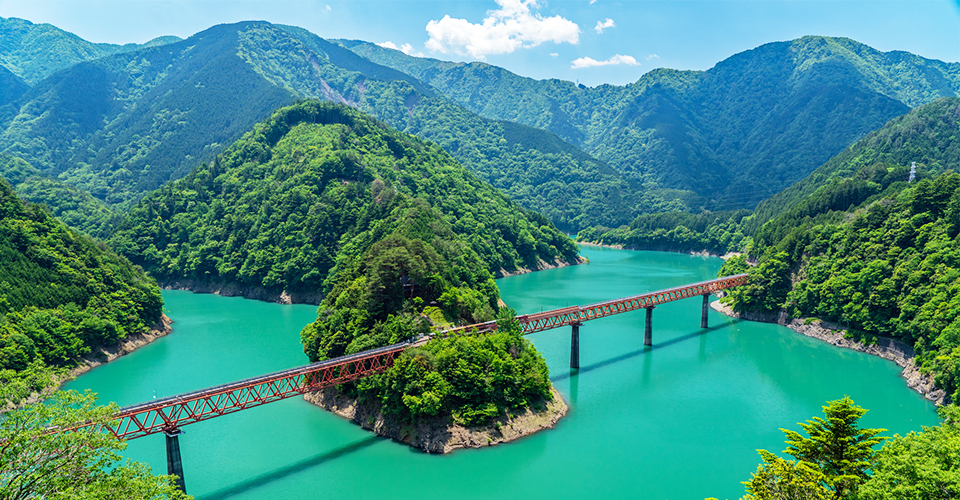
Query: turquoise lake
[{"x": 680, "y": 420}]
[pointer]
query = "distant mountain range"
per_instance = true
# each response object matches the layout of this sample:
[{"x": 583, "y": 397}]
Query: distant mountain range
[
  {"x": 120, "y": 121},
  {"x": 734, "y": 134}
]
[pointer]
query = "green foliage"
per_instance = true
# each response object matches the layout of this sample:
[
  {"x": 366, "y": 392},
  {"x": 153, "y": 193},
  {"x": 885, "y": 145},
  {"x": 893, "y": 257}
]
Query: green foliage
[
  {"x": 730, "y": 136},
  {"x": 919, "y": 465},
  {"x": 474, "y": 378},
  {"x": 714, "y": 232},
  {"x": 36, "y": 379},
  {"x": 836, "y": 446},
  {"x": 831, "y": 462},
  {"x": 81, "y": 464},
  {"x": 61, "y": 294},
  {"x": 768, "y": 282},
  {"x": 310, "y": 190},
  {"x": 779, "y": 479}
]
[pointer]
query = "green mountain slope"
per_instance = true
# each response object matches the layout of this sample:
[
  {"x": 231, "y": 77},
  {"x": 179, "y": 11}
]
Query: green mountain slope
[
  {"x": 312, "y": 183},
  {"x": 926, "y": 135},
  {"x": 36, "y": 51},
  {"x": 78, "y": 209},
  {"x": 120, "y": 126},
  {"x": 62, "y": 294},
  {"x": 734, "y": 134},
  {"x": 870, "y": 250},
  {"x": 323, "y": 202},
  {"x": 123, "y": 125}
]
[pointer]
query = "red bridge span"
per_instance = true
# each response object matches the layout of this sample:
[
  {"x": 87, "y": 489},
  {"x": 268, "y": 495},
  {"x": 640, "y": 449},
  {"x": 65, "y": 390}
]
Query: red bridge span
[{"x": 169, "y": 414}]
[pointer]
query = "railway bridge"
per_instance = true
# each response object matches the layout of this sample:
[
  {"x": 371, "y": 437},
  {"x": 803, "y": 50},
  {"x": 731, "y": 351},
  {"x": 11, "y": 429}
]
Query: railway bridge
[{"x": 169, "y": 414}]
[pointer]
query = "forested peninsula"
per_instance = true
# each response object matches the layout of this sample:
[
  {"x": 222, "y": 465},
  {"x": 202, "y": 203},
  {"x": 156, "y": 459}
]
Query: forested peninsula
[{"x": 389, "y": 234}]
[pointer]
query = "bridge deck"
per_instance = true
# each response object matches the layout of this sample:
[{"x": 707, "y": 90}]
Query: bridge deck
[{"x": 176, "y": 411}]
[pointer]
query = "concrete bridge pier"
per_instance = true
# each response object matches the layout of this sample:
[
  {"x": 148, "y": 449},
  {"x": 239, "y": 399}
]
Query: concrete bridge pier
[
  {"x": 706, "y": 308},
  {"x": 648, "y": 328},
  {"x": 575, "y": 346},
  {"x": 174, "y": 465}
]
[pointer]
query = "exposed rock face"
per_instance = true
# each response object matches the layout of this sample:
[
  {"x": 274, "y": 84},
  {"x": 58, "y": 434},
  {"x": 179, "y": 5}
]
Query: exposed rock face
[
  {"x": 541, "y": 265},
  {"x": 439, "y": 434},
  {"x": 898, "y": 352}
]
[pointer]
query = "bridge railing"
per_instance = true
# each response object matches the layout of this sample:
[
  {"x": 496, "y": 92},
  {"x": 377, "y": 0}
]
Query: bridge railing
[{"x": 173, "y": 412}]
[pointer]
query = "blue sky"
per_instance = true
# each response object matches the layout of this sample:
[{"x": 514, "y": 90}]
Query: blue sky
[{"x": 591, "y": 41}]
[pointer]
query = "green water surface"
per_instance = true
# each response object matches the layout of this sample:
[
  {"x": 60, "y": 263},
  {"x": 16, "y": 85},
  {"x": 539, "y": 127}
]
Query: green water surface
[{"x": 680, "y": 420}]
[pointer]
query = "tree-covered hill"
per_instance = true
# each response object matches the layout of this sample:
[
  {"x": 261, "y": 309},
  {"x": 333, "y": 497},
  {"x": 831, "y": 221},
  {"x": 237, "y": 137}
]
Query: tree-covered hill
[
  {"x": 734, "y": 134},
  {"x": 925, "y": 135},
  {"x": 36, "y": 51},
  {"x": 122, "y": 125},
  {"x": 323, "y": 202},
  {"x": 61, "y": 294},
  {"x": 78, "y": 209},
  {"x": 316, "y": 184},
  {"x": 867, "y": 249}
]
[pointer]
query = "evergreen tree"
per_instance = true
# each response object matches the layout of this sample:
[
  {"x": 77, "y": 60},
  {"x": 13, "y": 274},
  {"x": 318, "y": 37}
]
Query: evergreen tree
[{"x": 835, "y": 445}]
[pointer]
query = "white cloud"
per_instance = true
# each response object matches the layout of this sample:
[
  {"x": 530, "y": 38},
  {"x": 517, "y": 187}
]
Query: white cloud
[
  {"x": 405, "y": 48},
  {"x": 653, "y": 56},
  {"x": 511, "y": 27},
  {"x": 327, "y": 8},
  {"x": 588, "y": 62},
  {"x": 554, "y": 54},
  {"x": 602, "y": 25},
  {"x": 593, "y": 2}
]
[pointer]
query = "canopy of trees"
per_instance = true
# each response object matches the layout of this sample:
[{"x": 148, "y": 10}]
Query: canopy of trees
[
  {"x": 81, "y": 464},
  {"x": 278, "y": 207},
  {"x": 475, "y": 379},
  {"x": 839, "y": 460},
  {"x": 61, "y": 294}
]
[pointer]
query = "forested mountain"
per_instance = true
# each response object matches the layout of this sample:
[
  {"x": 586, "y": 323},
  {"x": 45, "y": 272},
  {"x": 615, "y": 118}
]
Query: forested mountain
[
  {"x": 120, "y": 126},
  {"x": 60, "y": 294},
  {"x": 925, "y": 135},
  {"x": 305, "y": 193},
  {"x": 323, "y": 202},
  {"x": 36, "y": 51},
  {"x": 78, "y": 209},
  {"x": 870, "y": 250},
  {"x": 734, "y": 134}
]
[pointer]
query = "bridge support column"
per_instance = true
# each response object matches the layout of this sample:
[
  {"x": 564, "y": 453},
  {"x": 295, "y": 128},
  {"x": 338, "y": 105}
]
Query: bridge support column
[
  {"x": 575, "y": 346},
  {"x": 648, "y": 328},
  {"x": 174, "y": 465},
  {"x": 706, "y": 308}
]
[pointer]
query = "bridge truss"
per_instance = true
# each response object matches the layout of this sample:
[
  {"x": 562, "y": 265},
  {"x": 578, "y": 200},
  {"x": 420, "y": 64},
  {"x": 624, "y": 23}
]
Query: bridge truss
[{"x": 169, "y": 414}]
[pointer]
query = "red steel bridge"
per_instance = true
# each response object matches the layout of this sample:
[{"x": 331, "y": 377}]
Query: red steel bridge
[{"x": 167, "y": 415}]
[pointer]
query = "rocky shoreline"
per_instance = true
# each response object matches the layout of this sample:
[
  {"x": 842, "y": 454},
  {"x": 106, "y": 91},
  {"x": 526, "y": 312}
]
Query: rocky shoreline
[
  {"x": 126, "y": 345},
  {"x": 542, "y": 265},
  {"x": 898, "y": 352},
  {"x": 702, "y": 253},
  {"x": 439, "y": 434},
  {"x": 96, "y": 358}
]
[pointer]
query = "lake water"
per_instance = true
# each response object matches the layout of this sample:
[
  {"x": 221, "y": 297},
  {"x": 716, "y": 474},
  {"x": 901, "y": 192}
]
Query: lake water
[{"x": 679, "y": 420}]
